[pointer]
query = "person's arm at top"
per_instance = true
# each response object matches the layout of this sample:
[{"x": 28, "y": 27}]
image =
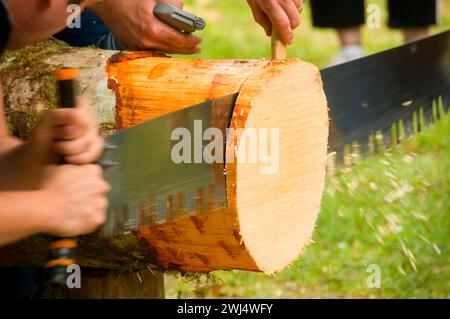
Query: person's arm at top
[
  {"x": 282, "y": 16},
  {"x": 135, "y": 26}
]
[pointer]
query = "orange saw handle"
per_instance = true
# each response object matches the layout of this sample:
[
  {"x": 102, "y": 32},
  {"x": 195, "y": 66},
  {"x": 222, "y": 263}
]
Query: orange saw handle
[{"x": 62, "y": 250}]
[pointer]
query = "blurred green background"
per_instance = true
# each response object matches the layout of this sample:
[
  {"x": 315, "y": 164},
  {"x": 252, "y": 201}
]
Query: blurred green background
[{"x": 392, "y": 210}]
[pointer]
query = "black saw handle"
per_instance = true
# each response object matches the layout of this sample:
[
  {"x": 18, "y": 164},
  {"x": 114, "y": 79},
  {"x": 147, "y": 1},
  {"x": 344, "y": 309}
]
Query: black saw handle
[{"x": 62, "y": 250}]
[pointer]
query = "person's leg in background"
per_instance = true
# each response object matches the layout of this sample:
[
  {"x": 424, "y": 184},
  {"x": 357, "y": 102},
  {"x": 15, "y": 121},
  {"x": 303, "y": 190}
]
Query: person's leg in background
[
  {"x": 93, "y": 31},
  {"x": 413, "y": 17},
  {"x": 346, "y": 17}
]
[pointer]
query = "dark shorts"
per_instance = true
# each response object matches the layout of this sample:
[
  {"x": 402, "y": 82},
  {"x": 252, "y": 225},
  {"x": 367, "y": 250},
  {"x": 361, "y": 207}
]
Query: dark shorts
[
  {"x": 22, "y": 283},
  {"x": 5, "y": 25},
  {"x": 351, "y": 13},
  {"x": 93, "y": 32}
]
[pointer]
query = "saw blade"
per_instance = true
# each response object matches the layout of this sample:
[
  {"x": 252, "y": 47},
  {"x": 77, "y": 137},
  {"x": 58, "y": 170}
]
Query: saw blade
[
  {"x": 376, "y": 100},
  {"x": 148, "y": 185},
  {"x": 373, "y": 102}
]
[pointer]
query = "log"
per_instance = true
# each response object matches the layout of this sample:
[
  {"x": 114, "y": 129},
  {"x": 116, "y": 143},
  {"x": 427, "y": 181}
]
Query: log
[{"x": 269, "y": 218}]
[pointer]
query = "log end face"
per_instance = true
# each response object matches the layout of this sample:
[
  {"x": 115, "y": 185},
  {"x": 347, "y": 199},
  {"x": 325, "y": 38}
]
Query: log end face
[{"x": 280, "y": 161}]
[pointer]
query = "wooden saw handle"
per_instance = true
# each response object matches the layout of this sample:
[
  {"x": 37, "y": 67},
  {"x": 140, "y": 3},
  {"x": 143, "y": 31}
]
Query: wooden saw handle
[{"x": 278, "y": 47}]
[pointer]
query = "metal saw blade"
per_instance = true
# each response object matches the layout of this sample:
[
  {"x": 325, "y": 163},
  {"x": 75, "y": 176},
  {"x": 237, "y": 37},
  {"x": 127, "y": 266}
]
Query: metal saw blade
[
  {"x": 376, "y": 99},
  {"x": 148, "y": 186}
]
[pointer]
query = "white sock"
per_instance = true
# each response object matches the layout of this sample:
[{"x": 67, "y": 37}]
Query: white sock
[{"x": 348, "y": 53}]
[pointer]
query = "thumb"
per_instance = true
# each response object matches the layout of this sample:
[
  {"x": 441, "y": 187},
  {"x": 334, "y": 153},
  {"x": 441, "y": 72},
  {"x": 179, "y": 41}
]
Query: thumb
[{"x": 176, "y": 3}]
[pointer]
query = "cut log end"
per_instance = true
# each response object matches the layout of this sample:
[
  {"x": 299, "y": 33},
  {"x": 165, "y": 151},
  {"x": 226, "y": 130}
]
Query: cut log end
[{"x": 277, "y": 201}]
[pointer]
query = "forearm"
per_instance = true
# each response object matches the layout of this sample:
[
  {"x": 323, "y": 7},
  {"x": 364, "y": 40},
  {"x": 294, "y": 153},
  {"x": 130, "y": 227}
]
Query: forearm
[
  {"x": 7, "y": 143},
  {"x": 22, "y": 214},
  {"x": 101, "y": 9},
  {"x": 11, "y": 149},
  {"x": 17, "y": 169}
]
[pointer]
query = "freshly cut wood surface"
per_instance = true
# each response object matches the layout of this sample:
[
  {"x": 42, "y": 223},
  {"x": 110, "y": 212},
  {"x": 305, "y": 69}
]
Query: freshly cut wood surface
[
  {"x": 270, "y": 217},
  {"x": 150, "y": 87}
]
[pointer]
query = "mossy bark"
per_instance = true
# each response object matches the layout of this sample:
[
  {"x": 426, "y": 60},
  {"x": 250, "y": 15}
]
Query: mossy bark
[{"x": 29, "y": 85}]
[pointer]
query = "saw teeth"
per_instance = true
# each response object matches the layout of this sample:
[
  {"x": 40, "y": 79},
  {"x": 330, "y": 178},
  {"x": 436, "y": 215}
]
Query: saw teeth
[
  {"x": 109, "y": 147},
  {"x": 107, "y": 163}
]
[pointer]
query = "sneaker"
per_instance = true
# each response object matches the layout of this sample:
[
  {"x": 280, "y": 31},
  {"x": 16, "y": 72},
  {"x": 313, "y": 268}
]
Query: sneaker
[{"x": 348, "y": 53}]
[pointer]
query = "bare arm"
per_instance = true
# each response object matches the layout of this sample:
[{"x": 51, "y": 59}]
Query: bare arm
[
  {"x": 12, "y": 153},
  {"x": 21, "y": 215}
]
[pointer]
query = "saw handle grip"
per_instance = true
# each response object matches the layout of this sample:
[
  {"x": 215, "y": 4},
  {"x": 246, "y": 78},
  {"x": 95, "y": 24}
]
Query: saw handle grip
[
  {"x": 62, "y": 250},
  {"x": 278, "y": 47}
]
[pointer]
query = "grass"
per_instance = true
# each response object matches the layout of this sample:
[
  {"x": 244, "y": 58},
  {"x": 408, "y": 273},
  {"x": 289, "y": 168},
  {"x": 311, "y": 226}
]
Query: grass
[{"x": 392, "y": 210}]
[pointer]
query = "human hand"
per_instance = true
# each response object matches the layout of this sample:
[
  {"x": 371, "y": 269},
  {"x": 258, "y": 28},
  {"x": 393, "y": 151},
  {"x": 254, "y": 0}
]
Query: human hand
[
  {"x": 70, "y": 133},
  {"x": 136, "y": 28},
  {"x": 282, "y": 16},
  {"x": 76, "y": 200}
]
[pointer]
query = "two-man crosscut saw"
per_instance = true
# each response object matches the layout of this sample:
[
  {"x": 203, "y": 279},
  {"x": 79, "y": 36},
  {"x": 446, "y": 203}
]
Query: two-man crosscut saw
[
  {"x": 387, "y": 94},
  {"x": 401, "y": 88}
]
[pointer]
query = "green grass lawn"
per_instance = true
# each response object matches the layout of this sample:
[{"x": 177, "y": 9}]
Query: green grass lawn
[{"x": 392, "y": 210}]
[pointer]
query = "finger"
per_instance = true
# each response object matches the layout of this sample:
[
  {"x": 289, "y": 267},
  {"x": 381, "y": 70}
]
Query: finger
[
  {"x": 292, "y": 13},
  {"x": 169, "y": 49},
  {"x": 103, "y": 187},
  {"x": 60, "y": 117},
  {"x": 299, "y": 3},
  {"x": 71, "y": 124},
  {"x": 72, "y": 132},
  {"x": 92, "y": 154},
  {"x": 260, "y": 17},
  {"x": 280, "y": 20},
  {"x": 85, "y": 105},
  {"x": 76, "y": 146},
  {"x": 94, "y": 170},
  {"x": 175, "y": 39},
  {"x": 82, "y": 114},
  {"x": 101, "y": 206},
  {"x": 162, "y": 37},
  {"x": 176, "y": 3},
  {"x": 98, "y": 188}
]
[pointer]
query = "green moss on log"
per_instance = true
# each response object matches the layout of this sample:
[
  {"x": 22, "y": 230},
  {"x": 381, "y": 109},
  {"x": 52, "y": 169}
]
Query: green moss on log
[{"x": 28, "y": 64}]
